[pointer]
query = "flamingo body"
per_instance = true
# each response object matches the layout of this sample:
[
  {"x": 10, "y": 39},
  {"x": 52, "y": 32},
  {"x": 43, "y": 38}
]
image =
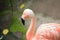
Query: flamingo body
[{"x": 48, "y": 31}]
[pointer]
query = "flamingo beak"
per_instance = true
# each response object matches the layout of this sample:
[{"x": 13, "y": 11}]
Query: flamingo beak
[{"x": 23, "y": 21}]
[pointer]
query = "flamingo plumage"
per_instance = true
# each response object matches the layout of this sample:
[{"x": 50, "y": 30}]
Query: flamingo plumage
[{"x": 48, "y": 31}]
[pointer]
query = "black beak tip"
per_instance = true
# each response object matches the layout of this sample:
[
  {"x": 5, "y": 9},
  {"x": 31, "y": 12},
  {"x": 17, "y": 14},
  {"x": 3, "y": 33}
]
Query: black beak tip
[{"x": 23, "y": 21}]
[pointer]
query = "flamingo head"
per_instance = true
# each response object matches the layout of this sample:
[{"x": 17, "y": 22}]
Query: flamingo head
[{"x": 27, "y": 13}]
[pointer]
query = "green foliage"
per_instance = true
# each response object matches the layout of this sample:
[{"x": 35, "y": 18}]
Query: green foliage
[
  {"x": 16, "y": 24},
  {"x": 5, "y": 12}
]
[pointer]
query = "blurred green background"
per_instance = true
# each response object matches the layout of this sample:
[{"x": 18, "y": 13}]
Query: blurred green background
[
  {"x": 10, "y": 13},
  {"x": 10, "y": 18}
]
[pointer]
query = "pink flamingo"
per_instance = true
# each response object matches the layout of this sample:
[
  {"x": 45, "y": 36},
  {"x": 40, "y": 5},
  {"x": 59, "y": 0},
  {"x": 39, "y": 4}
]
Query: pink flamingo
[{"x": 48, "y": 31}]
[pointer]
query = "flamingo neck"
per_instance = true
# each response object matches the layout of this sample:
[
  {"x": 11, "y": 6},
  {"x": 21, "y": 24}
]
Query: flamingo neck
[{"x": 30, "y": 32}]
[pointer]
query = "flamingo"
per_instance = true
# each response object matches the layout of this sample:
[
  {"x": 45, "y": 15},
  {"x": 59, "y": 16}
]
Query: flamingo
[{"x": 47, "y": 31}]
